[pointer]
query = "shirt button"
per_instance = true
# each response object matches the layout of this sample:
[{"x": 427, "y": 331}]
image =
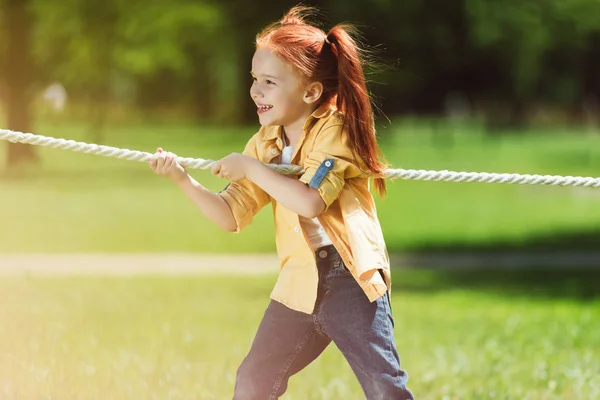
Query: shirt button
[
  {"x": 323, "y": 253},
  {"x": 328, "y": 163},
  {"x": 278, "y": 142},
  {"x": 273, "y": 151},
  {"x": 297, "y": 229}
]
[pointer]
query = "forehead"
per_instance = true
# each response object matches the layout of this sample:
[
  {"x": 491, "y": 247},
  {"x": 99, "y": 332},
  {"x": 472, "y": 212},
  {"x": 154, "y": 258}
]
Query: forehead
[{"x": 265, "y": 62}]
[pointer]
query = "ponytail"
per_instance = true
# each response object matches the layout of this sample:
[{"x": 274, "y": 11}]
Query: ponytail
[{"x": 353, "y": 100}]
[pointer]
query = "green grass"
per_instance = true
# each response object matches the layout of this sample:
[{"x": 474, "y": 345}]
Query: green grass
[
  {"x": 459, "y": 337},
  {"x": 80, "y": 203}
]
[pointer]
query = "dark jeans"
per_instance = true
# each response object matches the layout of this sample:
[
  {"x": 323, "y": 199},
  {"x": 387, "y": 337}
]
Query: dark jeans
[{"x": 288, "y": 340}]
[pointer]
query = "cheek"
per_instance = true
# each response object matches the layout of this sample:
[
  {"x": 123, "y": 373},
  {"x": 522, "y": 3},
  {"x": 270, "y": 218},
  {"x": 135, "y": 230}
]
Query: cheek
[
  {"x": 290, "y": 99},
  {"x": 278, "y": 99}
]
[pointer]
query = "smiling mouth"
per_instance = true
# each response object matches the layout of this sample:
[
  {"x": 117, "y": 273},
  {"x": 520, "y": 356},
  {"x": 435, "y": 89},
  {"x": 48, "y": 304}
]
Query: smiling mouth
[{"x": 262, "y": 109}]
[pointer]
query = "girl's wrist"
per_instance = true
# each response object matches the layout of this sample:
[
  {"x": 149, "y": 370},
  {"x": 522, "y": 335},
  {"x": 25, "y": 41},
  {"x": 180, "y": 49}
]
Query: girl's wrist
[
  {"x": 253, "y": 168},
  {"x": 182, "y": 180}
]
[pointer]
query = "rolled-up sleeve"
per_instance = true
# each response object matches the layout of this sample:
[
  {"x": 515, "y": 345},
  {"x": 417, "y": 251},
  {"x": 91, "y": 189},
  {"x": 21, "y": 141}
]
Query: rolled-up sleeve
[
  {"x": 244, "y": 198},
  {"x": 330, "y": 163}
]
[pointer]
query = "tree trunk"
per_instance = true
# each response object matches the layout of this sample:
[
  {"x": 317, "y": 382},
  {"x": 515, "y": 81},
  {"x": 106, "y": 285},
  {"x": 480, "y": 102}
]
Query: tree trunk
[{"x": 18, "y": 79}]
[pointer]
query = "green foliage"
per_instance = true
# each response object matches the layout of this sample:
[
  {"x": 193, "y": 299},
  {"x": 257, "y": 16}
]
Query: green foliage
[
  {"x": 69, "y": 38},
  {"x": 159, "y": 35},
  {"x": 89, "y": 42},
  {"x": 582, "y": 13},
  {"x": 518, "y": 31}
]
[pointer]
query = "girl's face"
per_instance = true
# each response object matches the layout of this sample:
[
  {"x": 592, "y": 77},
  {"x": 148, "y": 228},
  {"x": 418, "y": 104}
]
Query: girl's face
[{"x": 277, "y": 91}]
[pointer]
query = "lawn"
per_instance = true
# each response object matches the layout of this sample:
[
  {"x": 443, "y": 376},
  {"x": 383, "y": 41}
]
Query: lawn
[
  {"x": 460, "y": 336},
  {"x": 81, "y": 203}
]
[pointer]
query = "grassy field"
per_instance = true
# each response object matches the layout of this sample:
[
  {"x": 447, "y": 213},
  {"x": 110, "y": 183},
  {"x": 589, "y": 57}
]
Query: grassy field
[
  {"x": 81, "y": 203},
  {"x": 460, "y": 337}
]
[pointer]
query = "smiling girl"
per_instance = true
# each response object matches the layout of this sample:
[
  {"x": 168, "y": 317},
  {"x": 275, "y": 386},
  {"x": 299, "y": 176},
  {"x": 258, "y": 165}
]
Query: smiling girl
[{"x": 334, "y": 282}]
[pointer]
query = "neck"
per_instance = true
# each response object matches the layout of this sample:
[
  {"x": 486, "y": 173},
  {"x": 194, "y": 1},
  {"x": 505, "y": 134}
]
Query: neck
[
  {"x": 292, "y": 136},
  {"x": 293, "y": 131}
]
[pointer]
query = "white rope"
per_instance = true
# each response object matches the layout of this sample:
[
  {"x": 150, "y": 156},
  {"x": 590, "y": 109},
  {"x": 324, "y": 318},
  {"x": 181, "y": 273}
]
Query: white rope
[{"x": 199, "y": 163}]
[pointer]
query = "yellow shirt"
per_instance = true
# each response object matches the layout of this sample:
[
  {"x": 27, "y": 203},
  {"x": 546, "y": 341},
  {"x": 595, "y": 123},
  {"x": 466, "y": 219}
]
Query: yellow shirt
[{"x": 350, "y": 219}]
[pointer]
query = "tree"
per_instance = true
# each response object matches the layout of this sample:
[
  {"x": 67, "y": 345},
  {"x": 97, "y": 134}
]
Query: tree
[{"x": 18, "y": 70}]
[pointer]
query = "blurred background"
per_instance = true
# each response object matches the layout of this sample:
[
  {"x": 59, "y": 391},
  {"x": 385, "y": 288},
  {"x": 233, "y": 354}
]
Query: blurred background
[{"x": 503, "y": 86}]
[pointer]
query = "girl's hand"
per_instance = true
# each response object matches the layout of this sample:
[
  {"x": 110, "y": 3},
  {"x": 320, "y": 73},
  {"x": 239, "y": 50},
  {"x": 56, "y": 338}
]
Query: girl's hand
[
  {"x": 234, "y": 167},
  {"x": 165, "y": 163}
]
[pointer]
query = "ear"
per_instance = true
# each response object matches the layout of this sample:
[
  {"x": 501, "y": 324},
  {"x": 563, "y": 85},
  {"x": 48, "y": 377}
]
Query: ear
[{"x": 313, "y": 92}]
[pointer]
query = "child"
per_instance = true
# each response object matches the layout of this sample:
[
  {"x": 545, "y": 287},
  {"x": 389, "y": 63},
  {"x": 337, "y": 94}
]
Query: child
[{"x": 334, "y": 282}]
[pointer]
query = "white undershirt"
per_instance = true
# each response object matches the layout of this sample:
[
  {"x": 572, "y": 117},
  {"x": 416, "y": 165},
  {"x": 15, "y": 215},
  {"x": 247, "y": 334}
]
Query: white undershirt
[{"x": 313, "y": 228}]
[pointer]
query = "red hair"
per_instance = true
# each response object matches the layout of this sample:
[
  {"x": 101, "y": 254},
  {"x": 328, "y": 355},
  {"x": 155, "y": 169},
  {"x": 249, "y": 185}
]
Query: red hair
[{"x": 335, "y": 60}]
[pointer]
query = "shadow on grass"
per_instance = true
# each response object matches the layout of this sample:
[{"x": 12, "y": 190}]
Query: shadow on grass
[
  {"x": 577, "y": 239},
  {"x": 574, "y": 284}
]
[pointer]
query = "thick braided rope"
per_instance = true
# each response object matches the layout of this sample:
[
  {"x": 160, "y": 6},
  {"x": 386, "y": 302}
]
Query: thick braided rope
[{"x": 199, "y": 163}]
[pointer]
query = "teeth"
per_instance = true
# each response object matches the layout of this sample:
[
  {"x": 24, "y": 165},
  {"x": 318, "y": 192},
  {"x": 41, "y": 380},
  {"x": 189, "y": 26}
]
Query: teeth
[{"x": 264, "y": 108}]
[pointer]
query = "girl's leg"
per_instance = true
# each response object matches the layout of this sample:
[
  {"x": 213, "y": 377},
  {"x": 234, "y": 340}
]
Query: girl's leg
[
  {"x": 364, "y": 333},
  {"x": 286, "y": 342}
]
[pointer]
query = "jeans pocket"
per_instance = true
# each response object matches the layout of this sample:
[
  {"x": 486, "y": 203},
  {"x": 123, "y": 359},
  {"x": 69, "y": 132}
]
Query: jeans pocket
[
  {"x": 338, "y": 271},
  {"x": 389, "y": 308}
]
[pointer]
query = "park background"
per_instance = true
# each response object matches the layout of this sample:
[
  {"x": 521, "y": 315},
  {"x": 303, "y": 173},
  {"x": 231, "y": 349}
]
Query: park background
[{"x": 495, "y": 292}]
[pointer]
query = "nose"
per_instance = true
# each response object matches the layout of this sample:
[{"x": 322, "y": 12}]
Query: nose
[{"x": 254, "y": 92}]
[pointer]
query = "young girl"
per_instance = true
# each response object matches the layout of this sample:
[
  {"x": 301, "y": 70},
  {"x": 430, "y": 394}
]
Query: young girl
[{"x": 334, "y": 282}]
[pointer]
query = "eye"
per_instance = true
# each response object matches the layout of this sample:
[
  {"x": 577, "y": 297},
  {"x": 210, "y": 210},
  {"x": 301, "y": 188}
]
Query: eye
[{"x": 270, "y": 82}]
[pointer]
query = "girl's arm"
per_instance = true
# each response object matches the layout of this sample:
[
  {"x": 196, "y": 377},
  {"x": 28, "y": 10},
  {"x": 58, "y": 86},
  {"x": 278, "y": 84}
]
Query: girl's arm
[
  {"x": 290, "y": 192},
  {"x": 232, "y": 208},
  {"x": 211, "y": 204}
]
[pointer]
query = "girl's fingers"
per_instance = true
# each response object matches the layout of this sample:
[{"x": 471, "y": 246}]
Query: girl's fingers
[
  {"x": 170, "y": 162},
  {"x": 163, "y": 162},
  {"x": 159, "y": 167},
  {"x": 152, "y": 164},
  {"x": 159, "y": 159},
  {"x": 162, "y": 159}
]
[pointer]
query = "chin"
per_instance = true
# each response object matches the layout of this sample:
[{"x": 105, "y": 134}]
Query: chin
[{"x": 268, "y": 121}]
